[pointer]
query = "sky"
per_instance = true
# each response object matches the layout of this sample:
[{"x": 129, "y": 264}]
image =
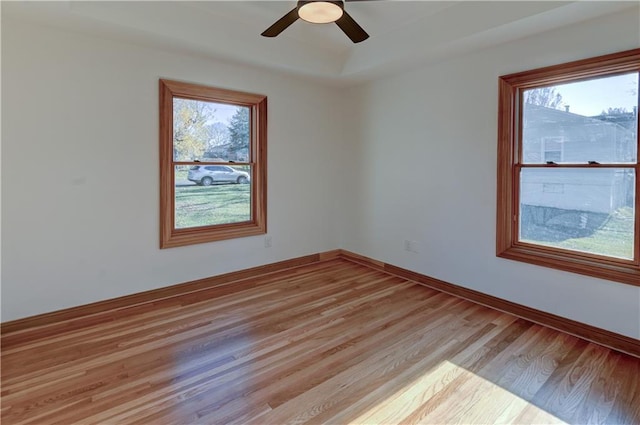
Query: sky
[
  {"x": 591, "y": 97},
  {"x": 217, "y": 112},
  {"x": 223, "y": 112}
]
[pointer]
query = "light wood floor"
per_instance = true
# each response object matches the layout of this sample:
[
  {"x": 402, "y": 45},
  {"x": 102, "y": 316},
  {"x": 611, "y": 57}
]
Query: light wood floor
[{"x": 333, "y": 342}]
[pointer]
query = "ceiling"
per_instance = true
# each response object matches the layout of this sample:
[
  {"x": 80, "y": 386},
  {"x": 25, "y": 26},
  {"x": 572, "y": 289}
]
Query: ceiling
[{"x": 403, "y": 33}]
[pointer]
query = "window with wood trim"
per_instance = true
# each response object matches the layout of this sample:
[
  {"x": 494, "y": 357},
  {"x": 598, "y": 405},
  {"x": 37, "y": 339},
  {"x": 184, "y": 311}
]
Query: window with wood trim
[
  {"x": 568, "y": 168},
  {"x": 213, "y": 158}
]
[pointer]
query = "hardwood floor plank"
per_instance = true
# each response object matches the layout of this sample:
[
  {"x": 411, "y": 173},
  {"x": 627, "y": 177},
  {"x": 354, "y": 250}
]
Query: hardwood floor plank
[
  {"x": 575, "y": 386},
  {"x": 275, "y": 381},
  {"x": 329, "y": 342},
  {"x": 228, "y": 314},
  {"x": 471, "y": 361},
  {"x": 228, "y": 350},
  {"x": 24, "y": 336},
  {"x": 418, "y": 388},
  {"x": 422, "y": 350},
  {"x": 598, "y": 402},
  {"x": 626, "y": 406},
  {"x": 505, "y": 395}
]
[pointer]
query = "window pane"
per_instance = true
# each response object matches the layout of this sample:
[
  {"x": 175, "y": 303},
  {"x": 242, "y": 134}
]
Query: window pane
[
  {"x": 582, "y": 209},
  {"x": 594, "y": 120},
  {"x": 210, "y": 131},
  {"x": 207, "y": 195}
]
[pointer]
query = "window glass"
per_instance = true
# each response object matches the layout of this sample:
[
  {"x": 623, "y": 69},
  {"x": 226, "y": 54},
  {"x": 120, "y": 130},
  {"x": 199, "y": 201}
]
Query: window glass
[
  {"x": 583, "y": 209},
  {"x": 211, "y": 197},
  {"x": 210, "y": 131},
  {"x": 593, "y": 120}
]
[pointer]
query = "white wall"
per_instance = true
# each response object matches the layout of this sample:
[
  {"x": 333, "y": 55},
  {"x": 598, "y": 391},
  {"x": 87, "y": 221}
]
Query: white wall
[
  {"x": 407, "y": 157},
  {"x": 425, "y": 170},
  {"x": 80, "y": 189}
]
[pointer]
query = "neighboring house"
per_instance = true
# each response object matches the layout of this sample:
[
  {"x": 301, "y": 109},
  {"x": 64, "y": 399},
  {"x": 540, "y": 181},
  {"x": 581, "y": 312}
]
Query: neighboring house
[{"x": 561, "y": 136}]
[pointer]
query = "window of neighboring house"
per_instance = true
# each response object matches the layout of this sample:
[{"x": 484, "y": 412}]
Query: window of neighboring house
[
  {"x": 212, "y": 164},
  {"x": 568, "y": 170},
  {"x": 552, "y": 149}
]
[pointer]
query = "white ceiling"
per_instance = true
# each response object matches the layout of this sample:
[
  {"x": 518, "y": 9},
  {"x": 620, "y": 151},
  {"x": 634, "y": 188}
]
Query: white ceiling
[{"x": 403, "y": 33}]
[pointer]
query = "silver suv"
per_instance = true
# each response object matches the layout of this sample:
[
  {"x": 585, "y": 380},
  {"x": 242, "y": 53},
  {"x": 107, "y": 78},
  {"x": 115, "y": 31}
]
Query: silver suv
[{"x": 206, "y": 175}]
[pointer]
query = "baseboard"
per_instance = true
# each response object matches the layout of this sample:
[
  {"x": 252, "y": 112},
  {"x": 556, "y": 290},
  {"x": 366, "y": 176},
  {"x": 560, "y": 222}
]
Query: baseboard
[
  {"x": 591, "y": 333},
  {"x": 103, "y": 310},
  {"x": 155, "y": 295}
]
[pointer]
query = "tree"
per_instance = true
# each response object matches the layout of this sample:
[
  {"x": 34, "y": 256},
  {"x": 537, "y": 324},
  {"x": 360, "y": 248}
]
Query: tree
[
  {"x": 620, "y": 116},
  {"x": 544, "y": 96},
  {"x": 614, "y": 111},
  {"x": 190, "y": 133},
  {"x": 239, "y": 129},
  {"x": 218, "y": 134}
]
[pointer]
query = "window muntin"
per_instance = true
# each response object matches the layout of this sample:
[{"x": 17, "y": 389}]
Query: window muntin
[
  {"x": 213, "y": 164},
  {"x": 568, "y": 167}
]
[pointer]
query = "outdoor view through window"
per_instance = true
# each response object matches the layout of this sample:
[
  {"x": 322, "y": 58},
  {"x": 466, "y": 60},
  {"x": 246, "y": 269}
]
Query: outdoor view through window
[
  {"x": 211, "y": 151},
  {"x": 213, "y": 158},
  {"x": 579, "y": 150}
]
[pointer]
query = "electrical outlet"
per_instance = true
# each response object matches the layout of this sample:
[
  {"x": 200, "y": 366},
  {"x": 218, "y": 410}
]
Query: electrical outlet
[
  {"x": 267, "y": 242},
  {"x": 411, "y": 246}
]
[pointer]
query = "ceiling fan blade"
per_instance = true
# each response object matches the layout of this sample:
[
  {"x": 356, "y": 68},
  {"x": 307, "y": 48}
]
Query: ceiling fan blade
[
  {"x": 281, "y": 24},
  {"x": 351, "y": 28}
]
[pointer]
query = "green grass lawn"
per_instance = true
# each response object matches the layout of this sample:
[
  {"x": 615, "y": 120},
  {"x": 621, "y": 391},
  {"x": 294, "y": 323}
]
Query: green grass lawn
[
  {"x": 613, "y": 238},
  {"x": 181, "y": 175},
  {"x": 207, "y": 205}
]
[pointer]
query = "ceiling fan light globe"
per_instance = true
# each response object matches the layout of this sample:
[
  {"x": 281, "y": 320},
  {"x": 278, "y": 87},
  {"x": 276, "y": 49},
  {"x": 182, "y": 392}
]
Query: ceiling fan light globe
[{"x": 319, "y": 12}]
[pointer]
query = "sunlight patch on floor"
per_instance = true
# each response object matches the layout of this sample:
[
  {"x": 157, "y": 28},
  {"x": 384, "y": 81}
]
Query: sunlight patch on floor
[{"x": 451, "y": 394}]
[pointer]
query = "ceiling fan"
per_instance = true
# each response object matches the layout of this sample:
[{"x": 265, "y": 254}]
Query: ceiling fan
[{"x": 320, "y": 12}]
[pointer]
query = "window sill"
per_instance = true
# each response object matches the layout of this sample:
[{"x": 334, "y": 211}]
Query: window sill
[
  {"x": 617, "y": 271},
  {"x": 176, "y": 238}
]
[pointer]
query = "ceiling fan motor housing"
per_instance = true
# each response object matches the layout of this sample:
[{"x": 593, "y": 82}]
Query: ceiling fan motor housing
[{"x": 320, "y": 11}]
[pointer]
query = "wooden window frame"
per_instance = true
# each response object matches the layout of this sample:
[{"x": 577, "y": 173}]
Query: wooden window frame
[
  {"x": 509, "y": 164},
  {"x": 257, "y": 225}
]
